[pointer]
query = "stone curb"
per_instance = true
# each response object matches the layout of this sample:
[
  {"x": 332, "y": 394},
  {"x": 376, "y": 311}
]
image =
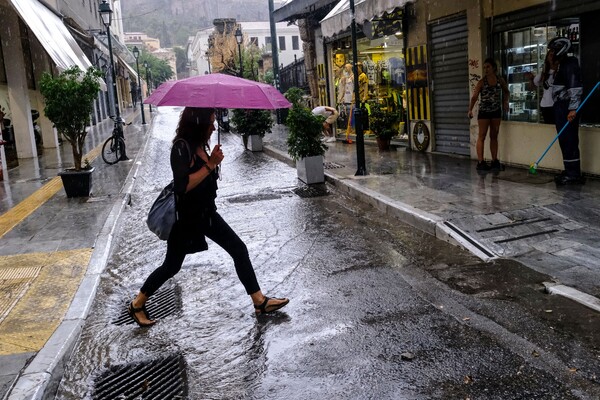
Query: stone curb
[
  {"x": 422, "y": 220},
  {"x": 40, "y": 380}
]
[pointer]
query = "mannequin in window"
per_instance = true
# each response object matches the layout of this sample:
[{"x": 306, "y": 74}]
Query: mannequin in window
[{"x": 346, "y": 94}]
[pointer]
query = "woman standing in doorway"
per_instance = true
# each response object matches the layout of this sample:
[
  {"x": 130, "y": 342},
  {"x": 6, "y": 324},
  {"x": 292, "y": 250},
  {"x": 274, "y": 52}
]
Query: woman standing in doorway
[
  {"x": 195, "y": 177},
  {"x": 494, "y": 99}
]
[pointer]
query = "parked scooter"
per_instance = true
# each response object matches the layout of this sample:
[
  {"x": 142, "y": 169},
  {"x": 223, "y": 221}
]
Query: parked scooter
[{"x": 9, "y": 135}]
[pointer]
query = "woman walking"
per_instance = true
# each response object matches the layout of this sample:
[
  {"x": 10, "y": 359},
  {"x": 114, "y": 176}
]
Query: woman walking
[
  {"x": 195, "y": 174},
  {"x": 494, "y": 98}
]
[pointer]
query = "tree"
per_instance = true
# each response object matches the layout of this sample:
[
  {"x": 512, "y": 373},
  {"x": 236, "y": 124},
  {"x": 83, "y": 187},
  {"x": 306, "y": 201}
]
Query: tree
[
  {"x": 160, "y": 70},
  {"x": 69, "y": 102},
  {"x": 223, "y": 53}
]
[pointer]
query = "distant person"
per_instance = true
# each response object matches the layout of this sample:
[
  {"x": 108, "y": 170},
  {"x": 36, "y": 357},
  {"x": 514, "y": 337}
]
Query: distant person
[
  {"x": 331, "y": 115},
  {"x": 567, "y": 89},
  {"x": 196, "y": 191},
  {"x": 545, "y": 79},
  {"x": 494, "y": 99}
]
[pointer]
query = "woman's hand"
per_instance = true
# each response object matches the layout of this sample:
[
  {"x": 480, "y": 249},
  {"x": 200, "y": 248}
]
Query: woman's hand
[{"x": 216, "y": 156}]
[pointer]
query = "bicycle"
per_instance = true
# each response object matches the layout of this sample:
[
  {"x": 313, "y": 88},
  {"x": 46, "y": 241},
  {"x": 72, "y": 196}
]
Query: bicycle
[{"x": 113, "y": 149}]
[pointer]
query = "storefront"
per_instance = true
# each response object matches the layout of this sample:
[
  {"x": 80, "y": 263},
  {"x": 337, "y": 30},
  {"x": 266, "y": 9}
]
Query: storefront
[
  {"x": 520, "y": 39},
  {"x": 381, "y": 62}
]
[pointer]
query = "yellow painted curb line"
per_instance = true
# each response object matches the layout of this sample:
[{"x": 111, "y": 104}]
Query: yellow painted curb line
[{"x": 18, "y": 213}]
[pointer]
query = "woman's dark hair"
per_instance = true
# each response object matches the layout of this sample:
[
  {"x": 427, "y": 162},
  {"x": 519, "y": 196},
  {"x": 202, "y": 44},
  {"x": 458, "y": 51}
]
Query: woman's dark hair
[
  {"x": 492, "y": 63},
  {"x": 194, "y": 126}
]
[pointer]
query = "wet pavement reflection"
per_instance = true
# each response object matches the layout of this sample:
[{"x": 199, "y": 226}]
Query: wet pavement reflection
[{"x": 366, "y": 320}]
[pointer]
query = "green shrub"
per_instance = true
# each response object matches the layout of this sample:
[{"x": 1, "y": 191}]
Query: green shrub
[
  {"x": 69, "y": 102},
  {"x": 252, "y": 122},
  {"x": 305, "y": 129},
  {"x": 382, "y": 123}
]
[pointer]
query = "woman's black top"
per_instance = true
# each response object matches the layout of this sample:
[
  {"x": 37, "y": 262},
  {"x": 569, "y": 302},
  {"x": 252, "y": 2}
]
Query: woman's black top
[{"x": 198, "y": 203}]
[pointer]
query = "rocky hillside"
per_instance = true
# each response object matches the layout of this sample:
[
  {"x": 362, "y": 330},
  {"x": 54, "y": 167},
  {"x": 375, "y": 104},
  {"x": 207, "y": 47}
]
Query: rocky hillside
[{"x": 172, "y": 21}]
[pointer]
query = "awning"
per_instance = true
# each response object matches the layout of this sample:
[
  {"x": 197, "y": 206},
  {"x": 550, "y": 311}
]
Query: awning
[
  {"x": 297, "y": 9},
  {"x": 132, "y": 72},
  {"x": 52, "y": 34},
  {"x": 340, "y": 18},
  {"x": 119, "y": 49}
]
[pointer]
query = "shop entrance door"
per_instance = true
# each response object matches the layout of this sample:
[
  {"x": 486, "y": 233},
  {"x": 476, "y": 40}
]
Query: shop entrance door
[{"x": 450, "y": 86}]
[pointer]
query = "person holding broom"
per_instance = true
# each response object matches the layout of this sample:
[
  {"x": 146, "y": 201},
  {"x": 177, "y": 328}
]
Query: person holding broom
[{"x": 567, "y": 89}]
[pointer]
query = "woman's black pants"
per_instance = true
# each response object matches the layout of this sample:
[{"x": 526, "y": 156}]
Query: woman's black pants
[{"x": 178, "y": 246}]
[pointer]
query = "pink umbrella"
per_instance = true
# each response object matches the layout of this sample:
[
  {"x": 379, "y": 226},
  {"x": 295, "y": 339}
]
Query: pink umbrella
[{"x": 218, "y": 91}]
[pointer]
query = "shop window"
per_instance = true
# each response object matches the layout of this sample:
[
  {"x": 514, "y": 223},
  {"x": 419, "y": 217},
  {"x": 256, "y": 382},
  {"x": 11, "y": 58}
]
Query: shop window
[
  {"x": 382, "y": 82},
  {"x": 295, "y": 43},
  {"x": 523, "y": 52},
  {"x": 281, "y": 43}
]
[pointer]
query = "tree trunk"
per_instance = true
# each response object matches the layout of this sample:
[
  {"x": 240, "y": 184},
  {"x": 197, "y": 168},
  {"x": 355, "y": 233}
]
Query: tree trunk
[{"x": 307, "y": 34}]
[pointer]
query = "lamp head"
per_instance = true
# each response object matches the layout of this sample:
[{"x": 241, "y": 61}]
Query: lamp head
[
  {"x": 146, "y": 64},
  {"x": 105, "y": 13},
  {"x": 238, "y": 36},
  {"x": 136, "y": 52}
]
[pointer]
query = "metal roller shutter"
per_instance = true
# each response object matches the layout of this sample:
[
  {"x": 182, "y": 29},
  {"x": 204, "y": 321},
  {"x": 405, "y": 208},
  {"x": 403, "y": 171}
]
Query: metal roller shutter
[{"x": 450, "y": 86}]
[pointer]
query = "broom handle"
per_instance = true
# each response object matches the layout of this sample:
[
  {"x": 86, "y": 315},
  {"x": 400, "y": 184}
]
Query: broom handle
[{"x": 563, "y": 128}]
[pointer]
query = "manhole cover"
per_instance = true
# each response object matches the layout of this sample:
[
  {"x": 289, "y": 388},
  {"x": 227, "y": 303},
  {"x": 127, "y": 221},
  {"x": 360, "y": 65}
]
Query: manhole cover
[
  {"x": 166, "y": 301},
  {"x": 332, "y": 165},
  {"x": 311, "y": 191},
  {"x": 161, "y": 379}
]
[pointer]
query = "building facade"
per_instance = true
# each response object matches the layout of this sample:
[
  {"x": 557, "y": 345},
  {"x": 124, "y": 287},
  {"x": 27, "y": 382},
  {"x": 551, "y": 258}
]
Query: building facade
[
  {"x": 50, "y": 37},
  {"x": 423, "y": 58}
]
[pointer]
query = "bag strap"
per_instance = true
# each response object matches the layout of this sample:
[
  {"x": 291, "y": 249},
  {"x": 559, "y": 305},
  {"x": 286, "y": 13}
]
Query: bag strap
[
  {"x": 191, "y": 156},
  {"x": 187, "y": 146}
]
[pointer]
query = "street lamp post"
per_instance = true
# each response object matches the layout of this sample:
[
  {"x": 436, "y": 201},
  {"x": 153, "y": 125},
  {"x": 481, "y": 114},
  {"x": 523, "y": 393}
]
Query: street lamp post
[
  {"x": 136, "y": 54},
  {"x": 358, "y": 118},
  {"x": 239, "y": 38},
  {"x": 106, "y": 15},
  {"x": 147, "y": 68}
]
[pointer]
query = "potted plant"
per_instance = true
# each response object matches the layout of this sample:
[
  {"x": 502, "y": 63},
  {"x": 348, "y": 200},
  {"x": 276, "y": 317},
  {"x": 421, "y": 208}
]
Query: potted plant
[
  {"x": 383, "y": 126},
  {"x": 252, "y": 124},
  {"x": 304, "y": 141},
  {"x": 69, "y": 102}
]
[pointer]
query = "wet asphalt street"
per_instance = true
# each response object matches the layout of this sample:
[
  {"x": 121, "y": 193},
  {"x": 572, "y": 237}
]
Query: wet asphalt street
[{"x": 378, "y": 310}]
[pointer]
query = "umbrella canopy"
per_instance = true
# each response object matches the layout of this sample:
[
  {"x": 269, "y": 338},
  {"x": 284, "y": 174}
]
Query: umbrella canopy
[{"x": 218, "y": 91}]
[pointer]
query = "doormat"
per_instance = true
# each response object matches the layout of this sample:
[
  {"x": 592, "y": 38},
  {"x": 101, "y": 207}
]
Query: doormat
[{"x": 525, "y": 177}]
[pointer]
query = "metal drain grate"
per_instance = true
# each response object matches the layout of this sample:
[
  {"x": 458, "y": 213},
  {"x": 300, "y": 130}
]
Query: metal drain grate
[
  {"x": 332, "y": 165},
  {"x": 311, "y": 191},
  {"x": 162, "y": 379},
  {"x": 163, "y": 303}
]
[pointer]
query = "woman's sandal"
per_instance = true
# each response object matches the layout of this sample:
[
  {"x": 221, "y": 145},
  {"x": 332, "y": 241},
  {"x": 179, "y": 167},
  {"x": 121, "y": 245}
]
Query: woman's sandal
[
  {"x": 260, "y": 309},
  {"x": 131, "y": 310}
]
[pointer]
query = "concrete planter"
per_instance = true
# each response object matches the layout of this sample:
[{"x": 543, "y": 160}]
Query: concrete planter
[
  {"x": 255, "y": 143},
  {"x": 310, "y": 170}
]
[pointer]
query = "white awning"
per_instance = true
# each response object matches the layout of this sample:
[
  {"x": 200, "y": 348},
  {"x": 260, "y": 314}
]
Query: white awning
[
  {"x": 52, "y": 34},
  {"x": 132, "y": 72},
  {"x": 340, "y": 18}
]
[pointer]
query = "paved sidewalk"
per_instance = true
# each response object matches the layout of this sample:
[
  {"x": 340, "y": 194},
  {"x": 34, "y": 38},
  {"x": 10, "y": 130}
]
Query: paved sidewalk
[
  {"x": 552, "y": 229},
  {"x": 52, "y": 252}
]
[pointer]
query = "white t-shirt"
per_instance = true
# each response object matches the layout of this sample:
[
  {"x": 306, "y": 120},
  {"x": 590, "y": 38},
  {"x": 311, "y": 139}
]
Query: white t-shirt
[
  {"x": 320, "y": 110},
  {"x": 547, "y": 96}
]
